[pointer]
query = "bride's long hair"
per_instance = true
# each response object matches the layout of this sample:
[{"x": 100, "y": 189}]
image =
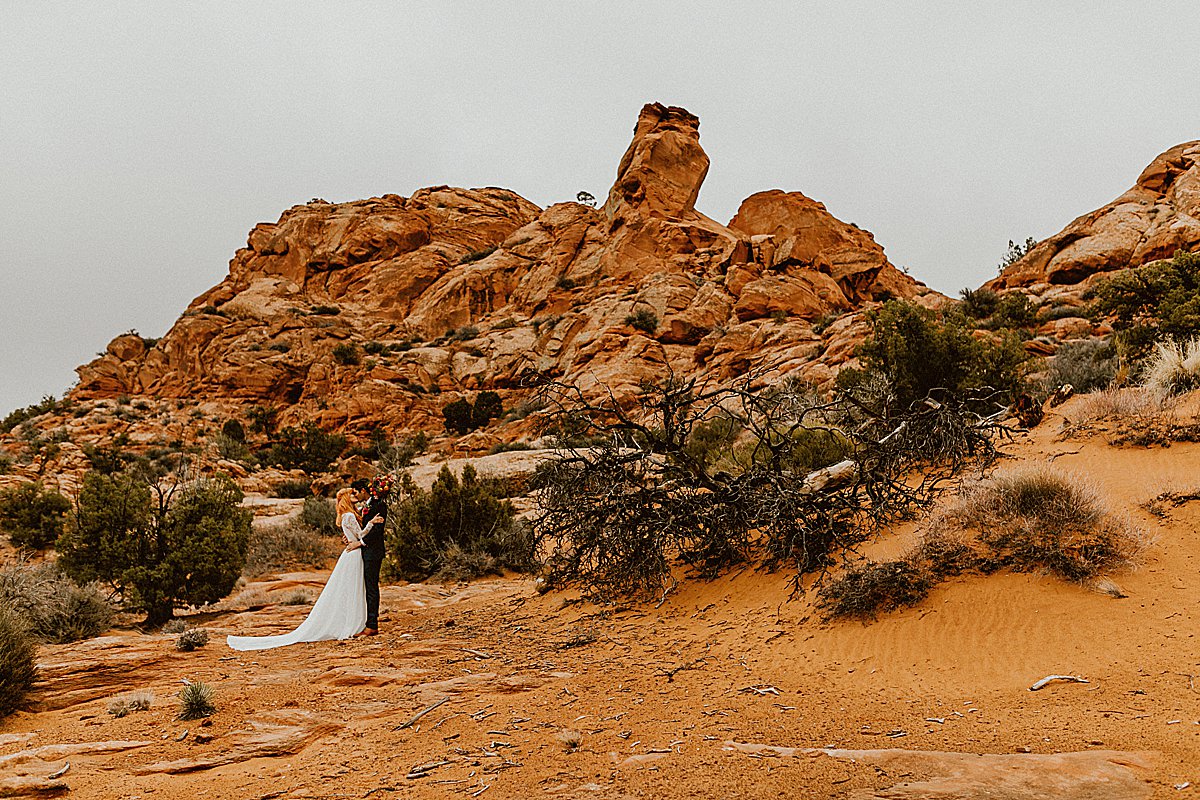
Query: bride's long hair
[{"x": 345, "y": 502}]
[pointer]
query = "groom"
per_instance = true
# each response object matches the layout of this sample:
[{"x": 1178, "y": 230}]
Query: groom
[{"x": 376, "y": 493}]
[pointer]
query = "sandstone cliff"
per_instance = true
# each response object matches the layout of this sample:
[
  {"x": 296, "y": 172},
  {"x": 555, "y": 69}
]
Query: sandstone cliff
[{"x": 357, "y": 314}]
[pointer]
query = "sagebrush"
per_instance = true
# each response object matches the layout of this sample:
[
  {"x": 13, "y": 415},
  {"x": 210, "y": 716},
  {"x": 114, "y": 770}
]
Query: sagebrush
[
  {"x": 18, "y": 668},
  {"x": 52, "y": 606}
]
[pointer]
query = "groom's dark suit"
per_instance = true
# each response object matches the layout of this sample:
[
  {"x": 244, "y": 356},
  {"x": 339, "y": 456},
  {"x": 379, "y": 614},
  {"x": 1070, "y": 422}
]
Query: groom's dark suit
[{"x": 372, "y": 555}]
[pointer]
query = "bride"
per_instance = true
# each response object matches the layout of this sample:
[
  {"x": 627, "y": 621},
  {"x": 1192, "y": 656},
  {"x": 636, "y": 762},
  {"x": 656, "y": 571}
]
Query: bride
[{"x": 341, "y": 610}]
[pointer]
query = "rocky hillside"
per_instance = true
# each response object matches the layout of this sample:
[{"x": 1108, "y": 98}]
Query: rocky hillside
[
  {"x": 356, "y": 314},
  {"x": 1151, "y": 221}
]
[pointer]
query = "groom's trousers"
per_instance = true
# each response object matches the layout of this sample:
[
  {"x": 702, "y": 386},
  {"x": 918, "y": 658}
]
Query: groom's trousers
[{"x": 371, "y": 564}]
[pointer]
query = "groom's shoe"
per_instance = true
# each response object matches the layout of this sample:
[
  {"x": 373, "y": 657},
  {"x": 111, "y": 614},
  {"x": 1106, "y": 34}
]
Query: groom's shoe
[{"x": 367, "y": 632}]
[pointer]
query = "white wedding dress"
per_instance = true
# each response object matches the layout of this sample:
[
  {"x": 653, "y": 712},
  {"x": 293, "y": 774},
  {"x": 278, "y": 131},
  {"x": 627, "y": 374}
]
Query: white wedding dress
[{"x": 340, "y": 611}]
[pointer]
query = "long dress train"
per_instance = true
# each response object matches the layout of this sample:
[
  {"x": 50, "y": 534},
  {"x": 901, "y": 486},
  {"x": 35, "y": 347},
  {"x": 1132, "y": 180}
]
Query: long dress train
[{"x": 340, "y": 611}]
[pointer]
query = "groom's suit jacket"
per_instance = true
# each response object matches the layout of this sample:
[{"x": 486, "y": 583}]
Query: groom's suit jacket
[{"x": 373, "y": 539}]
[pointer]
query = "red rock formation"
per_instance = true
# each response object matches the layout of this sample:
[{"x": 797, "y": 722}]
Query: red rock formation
[
  {"x": 1155, "y": 218},
  {"x": 525, "y": 290}
]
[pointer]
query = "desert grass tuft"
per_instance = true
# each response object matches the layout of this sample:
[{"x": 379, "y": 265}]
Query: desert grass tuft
[
  {"x": 174, "y": 626},
  {"x": 196, "y": 701},
  {"x": 1173, "y": 368},
  {"x": 129, "y": 703},
  {"x": 297, "y": 597},
  {"x": 1121, "y": 403}
]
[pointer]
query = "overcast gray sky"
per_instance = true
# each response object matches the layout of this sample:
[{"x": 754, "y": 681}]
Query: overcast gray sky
[{"x": 140, "y": 141}]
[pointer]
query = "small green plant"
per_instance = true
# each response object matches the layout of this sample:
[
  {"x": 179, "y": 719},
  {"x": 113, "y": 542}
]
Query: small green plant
[
  {"x": 508, "y": 447},
  {"x": 477, "y": 255},
  {"x": 191, "y": 639},
  {"x": 1016, "y": 251},
  {"x": 31, "y": 516},
  {"x": 196, "y": 701},
  {"x": 374, "y": 348},
  {"x": 174, "y": 626},
  {"x": 331, "y": 311},
  {"x": 280, "y": 347},
  {"x": 18, "y": 668},
  {"x": 346, "y": 354},
  {"x": 565, "y": 283},
  {"x": 644, "y": 320}
]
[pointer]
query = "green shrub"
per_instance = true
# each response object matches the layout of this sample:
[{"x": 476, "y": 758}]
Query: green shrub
[
  {"x": 109, "y": 458},
  {"x": 32, "y": 517},
  {"x": 919, "y": 351},
  {"x": 318, "y": 513},
  {"x": 332, "y": 311},
  {"x": 1153, "y": 302},
  {"x": 1014, "y": 310},
  {"x": 309, "y": 448},
  {"x": 234, "y": 430},
  {"x": 6, "y": 462},
  {"x": 644, "y": 320},
  {"x": 455, "y": 524},
  {"x": 1087, "y": 365},
  {"x": 18, "y": 668},
  {"x": 187, "y": 547},
  {"x": 565, "y": 283},
  {"x": 374, "y": 348},
  {"x": 230, "y": 449},
  {"x": 477, "y": 255},
  {"x": 459, "y": 416},
  {"x": 292, "y": 489},
  {"x": 979, "y": 303},
  {"x": 262, "y": 419},
  {"x": 508, "y": 447},
  {"x": 279, "y": 547},
  {"x": 47, "y": 405},
  {"x": 196, "y": 701},
  {"x": 174, "y": 626},
  {"x": 346, "y": 354},
  {"x": 711, "y": 441},
  {"x": 488, "y": 407}
]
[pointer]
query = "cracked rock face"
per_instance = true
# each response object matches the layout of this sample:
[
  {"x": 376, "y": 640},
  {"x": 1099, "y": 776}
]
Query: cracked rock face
[{"x": 1159, "y": 215}]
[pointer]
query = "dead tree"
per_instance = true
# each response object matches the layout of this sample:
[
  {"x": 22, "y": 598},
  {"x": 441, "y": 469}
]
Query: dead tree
[{"x": 788, "y": 479}]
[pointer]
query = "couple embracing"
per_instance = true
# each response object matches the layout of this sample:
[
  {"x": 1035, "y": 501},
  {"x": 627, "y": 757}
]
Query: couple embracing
[{"x": 349, "y": 603}]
